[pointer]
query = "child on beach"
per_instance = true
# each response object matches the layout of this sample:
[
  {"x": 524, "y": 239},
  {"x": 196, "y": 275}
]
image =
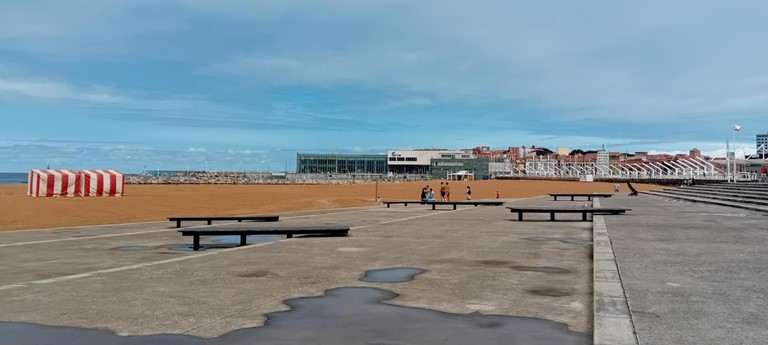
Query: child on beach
[{"x": 469, "y": 193}]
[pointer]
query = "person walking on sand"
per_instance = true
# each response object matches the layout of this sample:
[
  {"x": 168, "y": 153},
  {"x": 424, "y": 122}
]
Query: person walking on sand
[
  {"x": 442, "y": 192},
  {"x": 497, "y": 194},
  {"x": 469, "y": 193},
  {"x": 764, "y": 171},
  {"x": 447, "y": 192}
]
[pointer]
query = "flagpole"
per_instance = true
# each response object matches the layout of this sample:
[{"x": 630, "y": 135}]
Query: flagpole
[
  {"x": 734, "y": 152},
  {"x": 727, "y": 160}
]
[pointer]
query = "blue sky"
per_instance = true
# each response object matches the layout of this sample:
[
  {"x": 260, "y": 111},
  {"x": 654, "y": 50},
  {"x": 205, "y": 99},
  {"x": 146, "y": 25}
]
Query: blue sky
[{"x": 245, "y": 84}]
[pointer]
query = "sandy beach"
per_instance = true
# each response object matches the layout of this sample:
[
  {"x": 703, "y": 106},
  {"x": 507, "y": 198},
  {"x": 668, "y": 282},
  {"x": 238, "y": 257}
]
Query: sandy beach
[{"x": 157, "y": 202}]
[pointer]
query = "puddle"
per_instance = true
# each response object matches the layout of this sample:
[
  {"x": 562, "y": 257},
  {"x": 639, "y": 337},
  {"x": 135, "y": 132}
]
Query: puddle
[
  {"x": 222, "y": 242},
  {"x": 566, "y": 240},
  {"x": 391, "y": 275},
  {"x": 494, "y": 262},
  {"x": 342, "y": 316},
  {"x": 255, "y": 274},
  {"x": 550, "y": 292},
  {"x": 541, "y": 269}
]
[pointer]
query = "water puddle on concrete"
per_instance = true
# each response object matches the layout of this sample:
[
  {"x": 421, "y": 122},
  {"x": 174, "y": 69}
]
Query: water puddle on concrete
[
  {"x": 224, "y": 242},
  {"x": 342, "y": 316},
  {"x": 392, "y": 275},
  {"x": 550, "y": 292}
]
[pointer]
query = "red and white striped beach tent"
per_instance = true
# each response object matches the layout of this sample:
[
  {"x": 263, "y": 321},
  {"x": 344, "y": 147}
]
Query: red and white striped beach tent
[
  {"x": 102, "y": 182},
  {"x": 54, "y": 183}
]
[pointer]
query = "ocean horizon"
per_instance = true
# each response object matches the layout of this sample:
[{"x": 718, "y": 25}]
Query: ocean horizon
[{"x": 13, "y": 178}]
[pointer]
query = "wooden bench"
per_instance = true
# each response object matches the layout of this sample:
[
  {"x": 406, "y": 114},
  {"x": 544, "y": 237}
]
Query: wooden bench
[
  {"x": 552, "y": 211},
  {"x": 289, "y": 231},
  {"x": 589, "y": 196},
  {"x": 454, "y": 203},
  {"x": 404, "y": 202},
  {"x": 465, "y": 202},
  {"x": 263, "y": 218}
]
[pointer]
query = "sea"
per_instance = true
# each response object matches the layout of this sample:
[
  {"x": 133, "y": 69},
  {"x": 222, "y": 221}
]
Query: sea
[{"x": 12, "y": 178}]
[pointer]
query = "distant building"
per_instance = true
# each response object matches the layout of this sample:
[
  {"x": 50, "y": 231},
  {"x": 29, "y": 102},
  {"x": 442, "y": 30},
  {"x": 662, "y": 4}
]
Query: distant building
[
  {"x": 761, "y": 140},
  {"x": 694, "y": 153},
  {"x": 419, "y": 161},
  {"x": 442, "y": 167},
  {"x": 514, "y": 153},
  {"x": 339, "y": 163},
  {"x": 603, "y": 158}
]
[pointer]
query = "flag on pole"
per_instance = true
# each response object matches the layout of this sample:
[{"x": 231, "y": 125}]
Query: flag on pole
[{"x": 736, "y": 128}]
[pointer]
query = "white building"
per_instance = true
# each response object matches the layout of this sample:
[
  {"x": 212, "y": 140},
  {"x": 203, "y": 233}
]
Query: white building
[{"x": 418, "y": 161}]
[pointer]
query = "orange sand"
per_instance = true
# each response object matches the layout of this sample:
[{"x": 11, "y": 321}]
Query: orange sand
[{"x": 157, "y": 202}]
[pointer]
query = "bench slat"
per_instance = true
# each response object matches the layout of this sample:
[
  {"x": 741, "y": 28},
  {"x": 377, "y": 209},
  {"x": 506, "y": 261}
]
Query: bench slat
[
  {"x": 289, "y": 231},
  {"x": 588, "y": 195},
  {"x": 262, "y": 218},
  {"x": 553, "y": 210},
  {"x": 453, "y": 203}
]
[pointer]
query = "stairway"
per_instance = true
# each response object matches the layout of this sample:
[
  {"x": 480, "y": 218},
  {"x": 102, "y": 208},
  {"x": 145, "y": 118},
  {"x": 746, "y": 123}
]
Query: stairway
[{"x": 747, "y": 195}]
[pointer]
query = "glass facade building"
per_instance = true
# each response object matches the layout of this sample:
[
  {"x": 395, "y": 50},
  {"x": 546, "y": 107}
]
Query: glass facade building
[
  {"x": 340, "y": 163},
  {"x": 441, "y": 167}
]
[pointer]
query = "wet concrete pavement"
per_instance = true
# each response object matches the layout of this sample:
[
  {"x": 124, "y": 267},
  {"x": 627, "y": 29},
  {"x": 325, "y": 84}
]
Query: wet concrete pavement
[
  {"x": 476, "y": 260},
  {"x": 693, "y": 273}
]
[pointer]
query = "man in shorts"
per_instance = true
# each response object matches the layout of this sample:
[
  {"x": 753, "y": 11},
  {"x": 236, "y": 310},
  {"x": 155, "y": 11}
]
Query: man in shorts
[
  {"x": 442, "y": 192},
  {"x": 447, "y": 192}
]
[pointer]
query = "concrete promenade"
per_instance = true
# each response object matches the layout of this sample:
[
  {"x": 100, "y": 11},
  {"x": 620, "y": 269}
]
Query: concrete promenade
[
  {"x": 138, "y": 279},
  {"x": 693, "y": 273}
]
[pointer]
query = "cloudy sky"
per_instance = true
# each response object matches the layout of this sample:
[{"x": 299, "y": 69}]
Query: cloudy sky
[{"x": 245, "y": 84}]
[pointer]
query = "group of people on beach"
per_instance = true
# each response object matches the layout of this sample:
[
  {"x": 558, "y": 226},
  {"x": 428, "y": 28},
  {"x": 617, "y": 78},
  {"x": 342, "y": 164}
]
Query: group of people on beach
[{"x": 427, "y": 194}]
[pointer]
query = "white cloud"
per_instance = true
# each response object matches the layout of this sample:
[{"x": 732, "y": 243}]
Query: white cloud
[
  {"x": 650, "y": 59},
  {"x": 52, "y": 90}
]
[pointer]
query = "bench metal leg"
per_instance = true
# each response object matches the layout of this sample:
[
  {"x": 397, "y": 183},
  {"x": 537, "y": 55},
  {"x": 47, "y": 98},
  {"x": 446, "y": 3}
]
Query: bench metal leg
[
  {"x": 555, "y": 196},
  {"x": 551, "y": 215},
  {"x": 584, "y": 216},
  {"x": 387, "y": 205},
  {"x": 572, "y": 197},
  {"x": 520, "y": 216},
  {"x": 243, "y": 240},
  {"x": 196, "y": 242},
  {"x": 209, "y": 222},
  {"x": 454, "y": 207},
  {"x": 289, "y": 236},
  {"x": 239, "y": 220},
  {"x": 178, "y": 223}
]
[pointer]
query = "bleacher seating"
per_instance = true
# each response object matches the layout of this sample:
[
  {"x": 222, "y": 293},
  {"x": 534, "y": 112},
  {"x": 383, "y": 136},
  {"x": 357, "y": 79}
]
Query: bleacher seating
[{"x": 746, "y": 195}]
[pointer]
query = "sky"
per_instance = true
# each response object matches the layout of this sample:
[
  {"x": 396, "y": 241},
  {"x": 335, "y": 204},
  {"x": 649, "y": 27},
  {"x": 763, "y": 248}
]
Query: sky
[{"x": 246, "y": 84}]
